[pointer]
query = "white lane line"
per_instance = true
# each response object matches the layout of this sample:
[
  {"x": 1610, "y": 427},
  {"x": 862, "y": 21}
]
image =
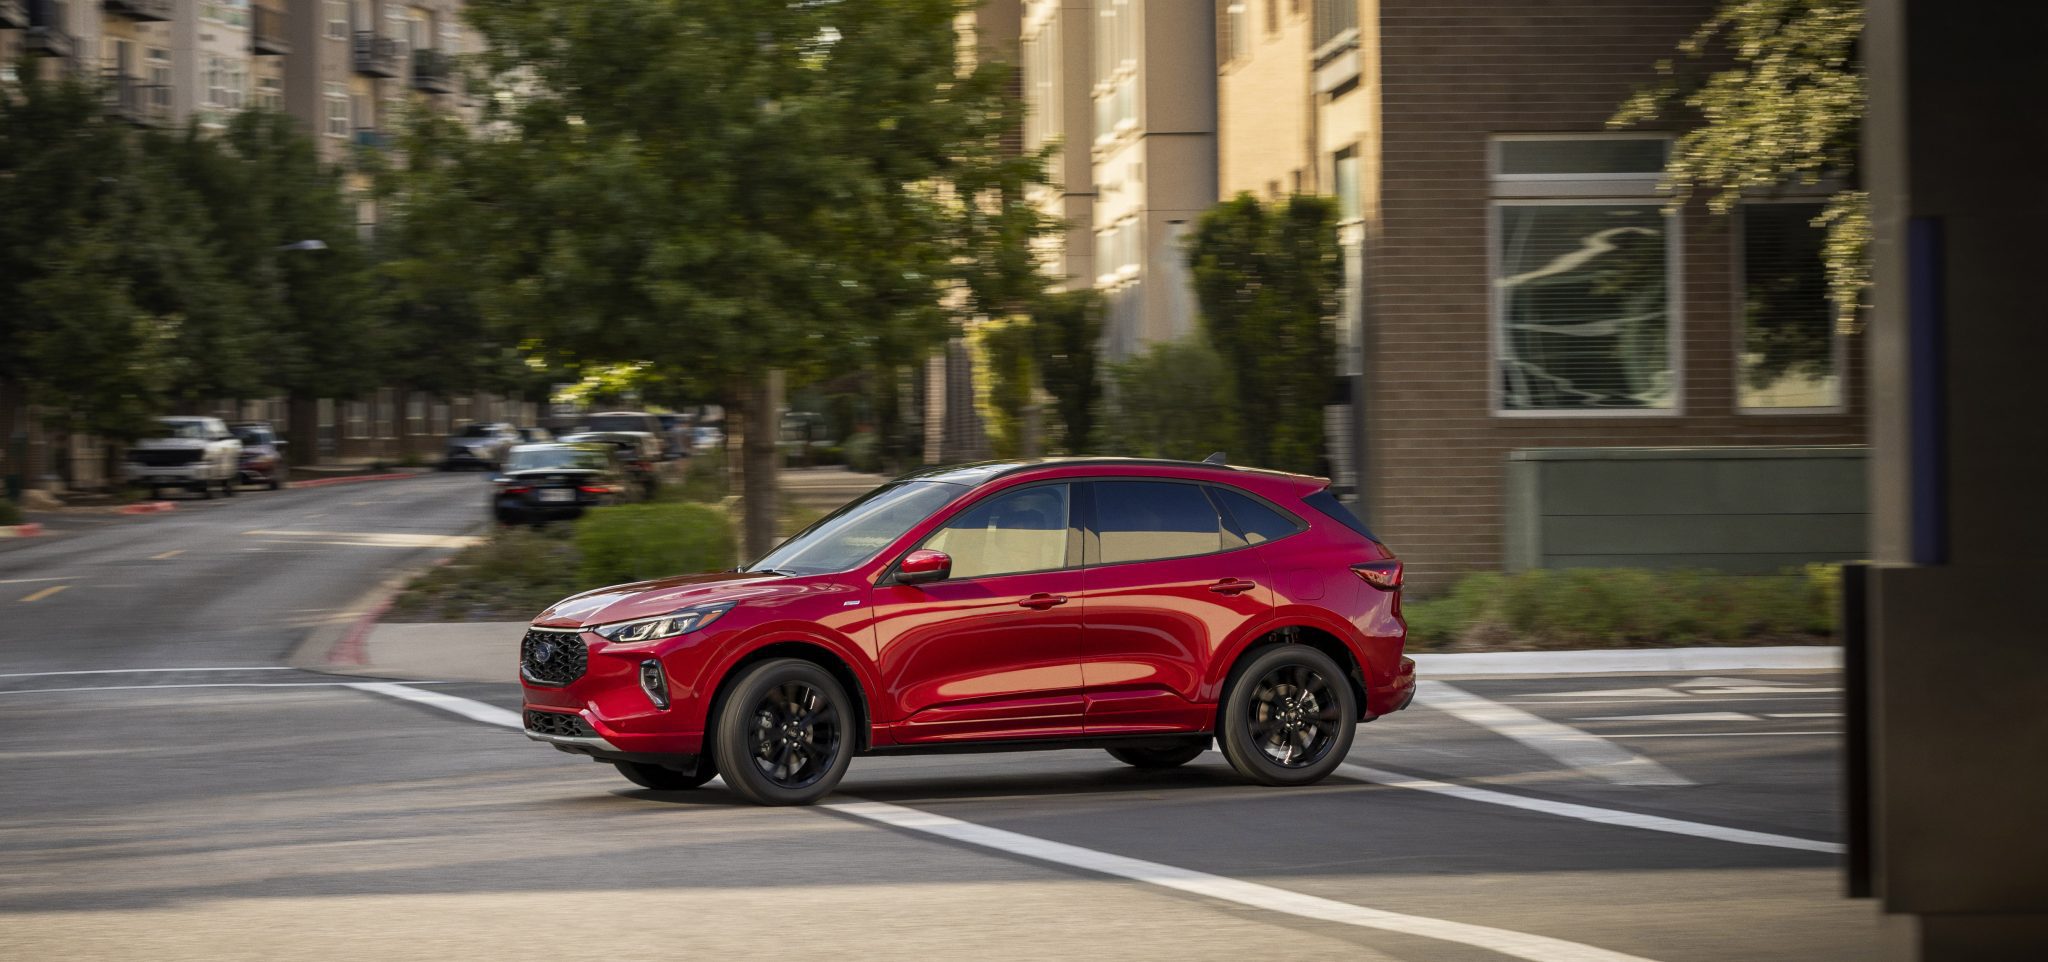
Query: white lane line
[
  {"x": 1588, "y": 813},
  {"x": 1721, "y": 734},
  {"x": 1699, "y": 716},
  {"x": 1629, "y": 693},
  {"x": 1587, "y": 752},
  {"x": 467, "y": 708},
  {"x": 1802, "y": 714},
  {"x": 133, "y": 671},
  {"x": 1764, "y": 690},
  {"x": 216, "y": 684},
  {"x": 493, "y": 715},
  {"x": 1520, "y": 945},
  {"x": 27, "y": 581}
]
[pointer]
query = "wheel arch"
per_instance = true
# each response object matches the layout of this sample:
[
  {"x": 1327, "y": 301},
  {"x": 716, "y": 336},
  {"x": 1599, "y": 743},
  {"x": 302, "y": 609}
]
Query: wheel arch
[
  {"x": 801, "y": 649},
  {"x": 1311, "y": 635}
]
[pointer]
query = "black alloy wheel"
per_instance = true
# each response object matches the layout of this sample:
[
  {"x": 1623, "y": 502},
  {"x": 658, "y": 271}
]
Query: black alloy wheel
[
  {"x": 664, "y": 779},
  {"x": 784, "y": 733},
  {"x": 1289, "y": 718}
]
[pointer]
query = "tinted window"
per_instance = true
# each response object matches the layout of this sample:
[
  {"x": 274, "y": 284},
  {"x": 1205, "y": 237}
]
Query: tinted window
[
  {"x": 477, "y": 431},
  {"x": 854, "y": 533},
  {"x": 1258, "y": 522},
  {"x": 619, "y": 422},
  {"x": 1009, "y": 533},
  {"x": 1328, "y": 504},
  {"x": 1140, "y": 520}
]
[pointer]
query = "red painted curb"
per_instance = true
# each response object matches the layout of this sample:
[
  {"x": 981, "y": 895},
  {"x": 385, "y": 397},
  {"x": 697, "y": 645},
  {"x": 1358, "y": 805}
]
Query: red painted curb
[
  {"x": 29, "y": 530},
  {"x": 349, "y": 650},
  {"x": 349, "y": 479},
  {"x": 147, "y": 507}
]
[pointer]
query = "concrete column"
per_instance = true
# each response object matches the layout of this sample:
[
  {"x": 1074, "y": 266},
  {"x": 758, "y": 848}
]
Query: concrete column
[{"x": 1958, "y": 656}]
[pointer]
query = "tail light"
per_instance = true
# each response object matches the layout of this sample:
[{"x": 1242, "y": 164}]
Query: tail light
[
  {"x": 518, "y": 489},
  {"x": 1384, "y": 575},
  {"x": 595, "y": 489}
]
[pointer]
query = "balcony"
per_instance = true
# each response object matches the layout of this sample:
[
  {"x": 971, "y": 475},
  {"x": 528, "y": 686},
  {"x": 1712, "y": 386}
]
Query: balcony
[
  {"x": 46, "y": 36},
  {"x": 138, "y": 103},
  {"x": 371, "y": 138},
  {"x": 267, "y": 36},
  {"x": 13, "y": 15},
  {"x": 433, "y": 72},
  {"x": 376, "y": 56},
  {"x": 142, "y": 11}
]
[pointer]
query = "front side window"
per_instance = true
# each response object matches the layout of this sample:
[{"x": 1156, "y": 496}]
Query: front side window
[
  {"x": 1148, "y": 520},
  {"x": 1582, "y": 277},
  {"x": 1788, "y": 357},
  {"x": 857, "y": 531},
  {"x": 1009, "y": 533}
]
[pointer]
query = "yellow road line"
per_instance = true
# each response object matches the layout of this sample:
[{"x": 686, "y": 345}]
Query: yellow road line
[
  {"x": 45, "y": 593},
  {"x": 174, "y": 552}
]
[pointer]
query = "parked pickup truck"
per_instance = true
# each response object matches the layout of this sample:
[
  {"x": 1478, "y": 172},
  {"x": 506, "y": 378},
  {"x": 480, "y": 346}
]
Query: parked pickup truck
[{"x": 198, "y": 454}]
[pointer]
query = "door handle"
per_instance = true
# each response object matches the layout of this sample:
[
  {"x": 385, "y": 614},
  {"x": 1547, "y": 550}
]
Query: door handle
[
  {"x": 1042, "y": 601},
  {"x": 1232, "y": 586}
]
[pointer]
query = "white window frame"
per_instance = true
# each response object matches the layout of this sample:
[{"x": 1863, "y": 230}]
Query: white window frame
[
  {"x": 342, "y": 22},
  {"x": 1739, "y": 320},
  {"x": 339, "y": 108},
  {"x": 1581, "y": 190}
]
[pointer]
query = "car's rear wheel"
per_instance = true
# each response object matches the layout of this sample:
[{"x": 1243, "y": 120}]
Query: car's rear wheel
[
  {"x": 227, "y": 486},
  {"x": 785, "y": 733},
  {"x": 664, "y": 779},
  {"x": 1155, "y": 757},
  {"x": 277, "y": 479},
  {"x": 1289, "y": 717},
  {"x": 204, "y": 490}
]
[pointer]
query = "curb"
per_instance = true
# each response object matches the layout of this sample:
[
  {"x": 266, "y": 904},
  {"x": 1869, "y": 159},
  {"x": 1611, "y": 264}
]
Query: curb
[
  {"x": 147, "y": 507},
  {"x": 30, "y": 530},
  {"x": 343, "y": 650},
  {"x": 1628, "y": 660},
  {"x": 349, "y": 479}
]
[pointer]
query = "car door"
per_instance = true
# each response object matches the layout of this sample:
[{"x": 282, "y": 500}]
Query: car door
[
  {"x": 992, "y": 651},
  {"x": 1168, "y": 585}
]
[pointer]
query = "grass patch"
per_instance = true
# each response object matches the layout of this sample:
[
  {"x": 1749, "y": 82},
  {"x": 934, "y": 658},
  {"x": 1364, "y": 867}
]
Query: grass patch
[{"x": 1627, "y": 608}]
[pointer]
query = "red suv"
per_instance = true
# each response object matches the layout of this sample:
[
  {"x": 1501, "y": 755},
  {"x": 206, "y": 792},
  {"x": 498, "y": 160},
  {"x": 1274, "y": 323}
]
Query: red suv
[{"x": 1143, "y": 607}]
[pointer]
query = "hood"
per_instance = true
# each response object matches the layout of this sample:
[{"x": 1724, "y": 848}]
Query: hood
[
  {"x": 169, "y": 444},
  {"x": 645, "y": 599}
]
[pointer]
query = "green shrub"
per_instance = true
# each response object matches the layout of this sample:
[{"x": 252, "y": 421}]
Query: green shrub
[
  {"x": 1626, "y": 607},
  {"x": 9, "y": 513},
  {"x": 863, "y": 453},
  {"x": 704, "y": 480},
  {"x": 411, "y": 459},
  {"x": 512, "y": 575},
  {"x": 635, "y": 542}
]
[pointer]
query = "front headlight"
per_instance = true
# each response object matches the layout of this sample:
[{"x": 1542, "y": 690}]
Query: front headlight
[{"x": 660, "y": 626}]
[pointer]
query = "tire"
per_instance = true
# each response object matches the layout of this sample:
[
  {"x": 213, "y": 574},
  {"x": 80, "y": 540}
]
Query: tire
[
  {"x": 666, "y": 779},
  {"x": 276, "y": 482},
  {"x": 785, "y": 733},
  {"x": 1289, "y": 717},
  {"x": 1155, "y": 758},
  {"x": 227, "y": 488},
  {"x": 203, "y": 490}
]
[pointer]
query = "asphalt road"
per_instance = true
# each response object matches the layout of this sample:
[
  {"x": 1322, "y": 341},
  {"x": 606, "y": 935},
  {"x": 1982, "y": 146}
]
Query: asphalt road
[{"x": 286, "y": 813}]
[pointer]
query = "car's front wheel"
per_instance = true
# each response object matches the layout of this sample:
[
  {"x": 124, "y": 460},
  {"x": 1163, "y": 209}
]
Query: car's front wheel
[
  {"x": 664, "y": 779},
  {"x": 785, "y": 733},
  {"x": 1289, "y": 717},
  {"x": 1156, "y": 757}
]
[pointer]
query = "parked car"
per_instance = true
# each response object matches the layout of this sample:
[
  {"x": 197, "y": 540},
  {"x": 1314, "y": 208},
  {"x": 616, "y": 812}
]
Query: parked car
[
  {"x": 1143, "y": 607},
  {"x": 479, "y": 446},
  {"x": 675, "y": 435},
  {"x": 262, "y": 459},
  {"x": 626, "y": 422},
  {"x": 704, "y": 437},
  {"x": 554, "y": 482},
  {"x": 534, "y": 435},
  {"x": 198, "y": 454},
  {"x": 637, "y": 454}
]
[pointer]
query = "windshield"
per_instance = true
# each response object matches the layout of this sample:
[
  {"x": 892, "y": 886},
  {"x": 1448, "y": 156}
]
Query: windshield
[
  {"x": 193, "y": 430},
  {"x": 529, "y": 459},
  {"x": 477, "y": 431},
  {"x": 253, "y": 435},
  {"x": 854, "y": 533},
  {"x": 622, "y": 422}
]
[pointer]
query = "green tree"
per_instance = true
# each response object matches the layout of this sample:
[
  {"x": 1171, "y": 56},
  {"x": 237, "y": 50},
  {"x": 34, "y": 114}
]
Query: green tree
[
  {"x": 1068, "y": 329},
  {"x": 1778, "y": 96},
  {"x": 723, "y": 188},
  {"x": 1267, "y": 278},
  {"x": 1176, "y": 400}
]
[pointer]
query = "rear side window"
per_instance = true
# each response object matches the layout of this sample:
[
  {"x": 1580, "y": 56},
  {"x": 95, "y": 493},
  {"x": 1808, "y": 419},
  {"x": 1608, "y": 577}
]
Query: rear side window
[
  {"x": 1145, "y": 520},
  {"x": 1328, "y": 504},
  {"x": 1259, "y": 522}
]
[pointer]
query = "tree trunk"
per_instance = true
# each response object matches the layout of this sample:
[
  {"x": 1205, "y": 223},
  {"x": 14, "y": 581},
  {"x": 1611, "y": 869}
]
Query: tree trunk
[
  {"x": 759, "y": 491},
  {"x": 302, "y": 429}
]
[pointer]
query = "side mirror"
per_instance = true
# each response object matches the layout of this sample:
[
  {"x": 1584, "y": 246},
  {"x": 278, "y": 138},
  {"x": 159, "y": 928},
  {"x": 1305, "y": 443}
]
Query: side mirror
[{"x": 924, "y": 565}]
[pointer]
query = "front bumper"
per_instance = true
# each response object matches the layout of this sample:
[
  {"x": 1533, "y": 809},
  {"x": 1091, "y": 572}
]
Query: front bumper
[
  {"x": 604, "y": 712},
  {"x": 166, "y": 473}
]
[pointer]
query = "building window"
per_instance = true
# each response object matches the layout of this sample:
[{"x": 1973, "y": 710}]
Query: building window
[
  {"x": 1790, "y": 357},
  {"x": 159, "y": 64},
  {"x": 1348, "y": 207},
  {"x": 233, "y": 13},
  {"x": 1232, "y": 38},
  {"x": 1044, "y": 121},
  {"x": 270, "y": 93},
  {"x": 356, "y": 421},
  {"x": 337, "y": 110},
  {"x": 337, "y": 19},
  {"x": 1272, "y": 17},
  {"x": 415, "y": 414},
  {"x": 1583, "y": 269},
  {"x": 1116, "y": 67}
]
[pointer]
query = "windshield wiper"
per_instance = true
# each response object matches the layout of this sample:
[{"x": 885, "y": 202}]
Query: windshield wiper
[{"x": 766, "y": 571}]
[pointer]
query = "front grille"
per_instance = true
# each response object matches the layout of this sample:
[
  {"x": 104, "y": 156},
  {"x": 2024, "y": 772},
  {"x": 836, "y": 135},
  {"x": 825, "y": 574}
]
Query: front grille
[
  {"x": 558, "y": 724},
  {"x": 552, "y": 657},
  {"x": 164, "y": 457}
]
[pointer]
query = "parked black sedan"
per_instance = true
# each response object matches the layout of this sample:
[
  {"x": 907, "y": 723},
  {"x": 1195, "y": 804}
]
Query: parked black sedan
[{"x": 554, "y": 482}]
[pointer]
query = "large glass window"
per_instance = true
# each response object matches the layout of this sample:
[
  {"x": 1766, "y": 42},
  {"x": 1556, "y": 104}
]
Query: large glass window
[
  {"x": 1145, "y": 520},
  {"x": 1348, "y": 207},
  {"x": 1584, "y": 302},
  {"x": 855, "y": 532},
  {"x": 1788, "y": 357},
  {"x": 1008, "y": 534},
  {"x": 1044, "y": 120}
]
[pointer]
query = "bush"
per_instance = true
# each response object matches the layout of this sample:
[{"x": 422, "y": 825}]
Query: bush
[
  {"x": 635, "y": 542},
  {"x": 9, "y": 513},
  {"x": 1627, "y": 607},
  {"x": 412, "y": 459},
  {"x": 863, "y": 453},
  {"x": 513, "y": 575},
  {"x": 1173, "y": 401},
  {"x": 704, "y": 480}
]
